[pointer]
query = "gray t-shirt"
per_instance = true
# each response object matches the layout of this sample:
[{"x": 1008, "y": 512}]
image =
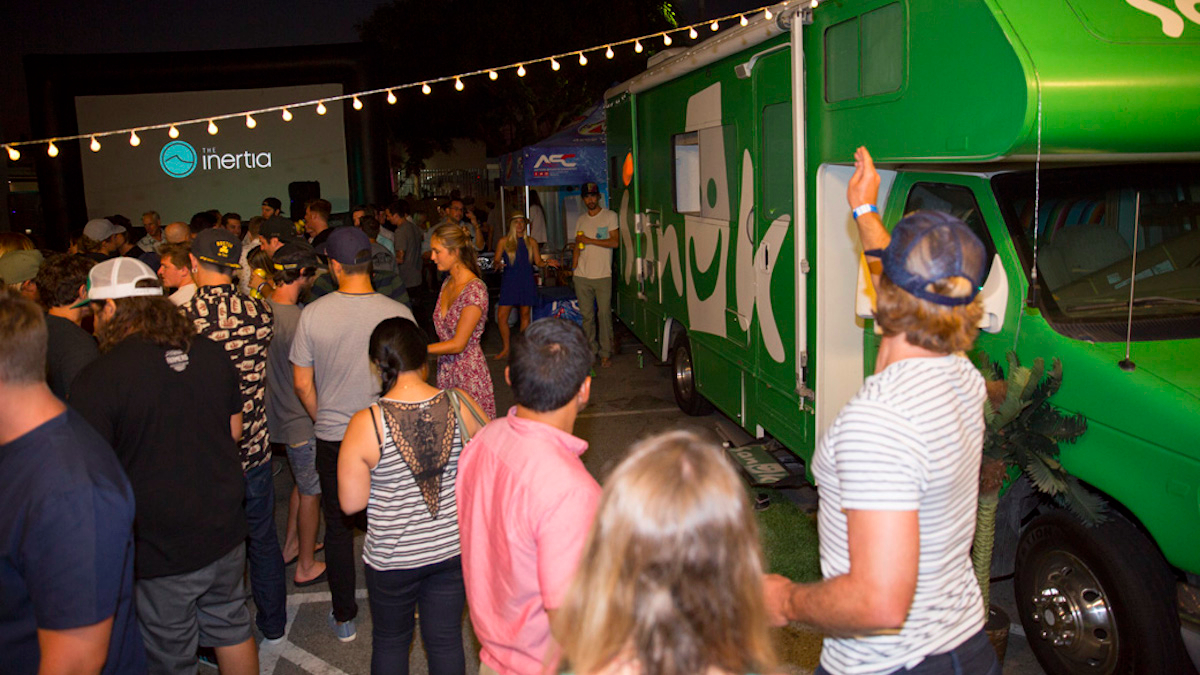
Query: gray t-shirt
[
  {"x": 332, "y": 339},
  {"x": 408, "y": 239},
  {"x": 287, "y": 420}
]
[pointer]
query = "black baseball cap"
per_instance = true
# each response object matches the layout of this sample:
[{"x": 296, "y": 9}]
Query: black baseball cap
[
  {"x": 347, "y": 245},
  {"x": 295, "y": 256},
  {"x": 929, "y": 246},
  {"x": 274, "y": 203},
  {"x": 280, "y": 228},
  {"x": 591, "y": 189},
  {"x": 219, "y": 247}
]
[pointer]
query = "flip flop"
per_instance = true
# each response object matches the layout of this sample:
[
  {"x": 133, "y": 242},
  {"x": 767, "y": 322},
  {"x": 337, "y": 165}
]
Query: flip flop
[
  {"x": 320, "y": 578},
  {"x": 318, "y": 549}
]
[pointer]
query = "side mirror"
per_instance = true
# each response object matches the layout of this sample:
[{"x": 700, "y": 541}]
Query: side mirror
[{"x": 995, "y": 298}]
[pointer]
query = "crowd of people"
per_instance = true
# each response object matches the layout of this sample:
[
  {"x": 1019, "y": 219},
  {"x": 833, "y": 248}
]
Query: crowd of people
[{"x": 136, "y": 493}]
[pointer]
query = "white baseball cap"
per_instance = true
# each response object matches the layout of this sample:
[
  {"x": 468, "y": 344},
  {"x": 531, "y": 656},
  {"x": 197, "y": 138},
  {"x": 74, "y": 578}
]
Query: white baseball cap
[
  {"x": 100, "y": 229},
  {"x": 118, "y": 278}
]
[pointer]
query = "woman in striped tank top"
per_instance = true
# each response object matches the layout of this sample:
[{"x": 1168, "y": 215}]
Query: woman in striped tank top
[{"x": 399, "y": 460}]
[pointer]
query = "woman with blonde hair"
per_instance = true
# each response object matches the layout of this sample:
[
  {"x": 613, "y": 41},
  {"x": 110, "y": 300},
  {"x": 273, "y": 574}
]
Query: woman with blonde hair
[
  {"x": 670, "y": 582},
  {"x": 518, "y": 254},
  {"x": 459, "y": 317}
]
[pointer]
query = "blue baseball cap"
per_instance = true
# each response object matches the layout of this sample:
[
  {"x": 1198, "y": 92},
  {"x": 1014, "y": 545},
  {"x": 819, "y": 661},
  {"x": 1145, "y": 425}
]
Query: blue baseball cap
[
  {"x": 929, "y": 246},
  {"x": 347, "y": 245}
]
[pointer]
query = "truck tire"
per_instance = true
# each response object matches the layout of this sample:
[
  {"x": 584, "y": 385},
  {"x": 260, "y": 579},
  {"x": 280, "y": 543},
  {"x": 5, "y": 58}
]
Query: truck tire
[
  {"x": 683, "y": 380},
  {"x": 1096, "y": 600}
]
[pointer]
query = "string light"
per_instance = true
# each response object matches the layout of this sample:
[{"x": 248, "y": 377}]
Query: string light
[
  {"x": 95, "y": 146},
  {"x": 814, "y": 4},
  {"x": 52, "y": 150},
  {"x": 355, "y": 97}
]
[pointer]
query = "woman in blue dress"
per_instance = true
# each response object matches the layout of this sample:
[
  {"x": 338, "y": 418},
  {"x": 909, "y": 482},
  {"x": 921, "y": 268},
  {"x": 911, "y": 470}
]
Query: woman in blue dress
[{"x": 517, "y": 255}]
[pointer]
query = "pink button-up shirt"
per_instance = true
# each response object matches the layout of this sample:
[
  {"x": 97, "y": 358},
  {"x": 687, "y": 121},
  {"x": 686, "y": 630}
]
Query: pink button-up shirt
[{"x": 525, "y": 505}]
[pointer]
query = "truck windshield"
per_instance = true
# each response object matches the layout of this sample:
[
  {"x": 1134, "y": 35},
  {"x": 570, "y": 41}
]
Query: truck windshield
[{"x": 1089, "y": 223}]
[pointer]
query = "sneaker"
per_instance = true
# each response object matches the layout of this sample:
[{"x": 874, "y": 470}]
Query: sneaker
[
  {"x": 272, "y": 641},
  {"x": 345, "y": 630}
]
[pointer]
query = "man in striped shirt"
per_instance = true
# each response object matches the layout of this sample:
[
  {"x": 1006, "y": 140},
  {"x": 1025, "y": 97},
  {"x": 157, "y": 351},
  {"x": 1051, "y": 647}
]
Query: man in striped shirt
[{"x": 898, "y": 470}]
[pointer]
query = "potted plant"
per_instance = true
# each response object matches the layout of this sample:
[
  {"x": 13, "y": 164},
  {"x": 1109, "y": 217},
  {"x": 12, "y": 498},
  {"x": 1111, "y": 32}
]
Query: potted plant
[{"x": 1022, "y": 437}]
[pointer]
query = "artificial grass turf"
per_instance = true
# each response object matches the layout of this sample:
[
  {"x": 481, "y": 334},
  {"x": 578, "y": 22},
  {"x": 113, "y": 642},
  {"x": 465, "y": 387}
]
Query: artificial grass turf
[{"x": 789, "y": 538}]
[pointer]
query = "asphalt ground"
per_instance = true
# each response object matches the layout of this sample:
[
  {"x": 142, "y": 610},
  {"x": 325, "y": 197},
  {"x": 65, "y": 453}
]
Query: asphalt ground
[{"x": 628, "y": 403}]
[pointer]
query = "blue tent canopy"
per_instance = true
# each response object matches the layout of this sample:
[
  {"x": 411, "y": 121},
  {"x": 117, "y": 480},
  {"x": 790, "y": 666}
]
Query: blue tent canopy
[{"x": 572, "y": 156}]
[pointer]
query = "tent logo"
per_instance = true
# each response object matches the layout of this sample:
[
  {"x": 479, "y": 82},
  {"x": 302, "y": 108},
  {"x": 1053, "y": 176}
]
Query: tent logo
[
  {"x": 178, "y": 159},
  {"x": 559, "y": 159}
]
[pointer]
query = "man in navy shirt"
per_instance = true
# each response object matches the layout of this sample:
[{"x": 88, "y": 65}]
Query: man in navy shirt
[{"x": 66, "y": 522}]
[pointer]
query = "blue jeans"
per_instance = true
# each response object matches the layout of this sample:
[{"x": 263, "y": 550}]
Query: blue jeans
[
  {"x": 975, "y": 656},
  {"x": 267, "y": 583},
  {"x": 437, "y": 592}
]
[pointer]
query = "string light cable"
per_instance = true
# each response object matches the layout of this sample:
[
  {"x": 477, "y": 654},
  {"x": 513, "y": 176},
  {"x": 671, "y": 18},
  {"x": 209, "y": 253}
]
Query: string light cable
[{"x": 766, "y": 13}]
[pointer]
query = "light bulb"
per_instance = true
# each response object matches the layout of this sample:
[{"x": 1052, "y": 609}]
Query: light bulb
[
  {"x": 492, "y": 75},
  {"x": 554, "y": 65},
  {"x": 13, "y": 153},
  {"x": 52, "y": 150},
  {"x": 814, "y": 4},
  {"x": 582, "y": 59},
  {"x": 744, "y": 22},
  {"x": 391, "y": 97},
  {"x": 458, "y": 84},
  {"x": 287, "y": 115},
  {"x": 250, "y": 123},
  {"x": 715, "y": 26},
  {"x": 608, "y": 53},
  {"x": 357, "y": 104},
  {"x": 637, "y": 46},
  {"x": 666, "y": 39},
  {"x": 172, "y": 132},
  {"x": 95, "y": 146},
  {"x": 425, "y": 88},
  {"x": 521, "y": 70},
  {"x": 321, "y": 109},
  {"x": 767, "y": 14},
  {"x": 212, "y": 128},
  {"x": 692, "y": 33},
  {"x": 136, "y": 140}
]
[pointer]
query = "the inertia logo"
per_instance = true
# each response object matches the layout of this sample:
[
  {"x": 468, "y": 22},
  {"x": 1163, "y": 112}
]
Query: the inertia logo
[{"x": 178, "y": 159}]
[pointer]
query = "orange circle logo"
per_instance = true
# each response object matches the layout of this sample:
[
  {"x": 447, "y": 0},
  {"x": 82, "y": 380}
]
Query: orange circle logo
[{"x": 627, "y": 170}]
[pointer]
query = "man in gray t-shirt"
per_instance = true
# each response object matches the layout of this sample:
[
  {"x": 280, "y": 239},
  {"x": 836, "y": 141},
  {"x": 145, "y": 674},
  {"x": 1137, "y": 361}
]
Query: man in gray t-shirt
[{"x": 333, "y": 380}]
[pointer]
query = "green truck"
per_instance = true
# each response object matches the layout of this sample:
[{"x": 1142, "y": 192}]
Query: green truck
[{"x": 1066, "y": 133}]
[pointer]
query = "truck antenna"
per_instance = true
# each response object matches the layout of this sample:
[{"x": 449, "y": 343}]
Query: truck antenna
[{"x": 1126, "y": 364}]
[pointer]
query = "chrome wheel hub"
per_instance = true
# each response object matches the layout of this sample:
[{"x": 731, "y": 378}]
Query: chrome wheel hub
[{"x": 1071, "y": 610}]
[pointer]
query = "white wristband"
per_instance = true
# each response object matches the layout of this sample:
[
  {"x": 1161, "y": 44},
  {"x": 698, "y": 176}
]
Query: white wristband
[{"x": 865, "y": 208}]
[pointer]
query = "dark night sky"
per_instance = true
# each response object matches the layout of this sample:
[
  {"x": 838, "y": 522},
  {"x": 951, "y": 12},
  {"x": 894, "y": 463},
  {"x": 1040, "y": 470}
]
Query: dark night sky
[{"x": 91, "y": 26}]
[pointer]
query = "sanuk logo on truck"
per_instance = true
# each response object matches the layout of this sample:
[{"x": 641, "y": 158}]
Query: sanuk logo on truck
[{"x": 1172, "y": 23}]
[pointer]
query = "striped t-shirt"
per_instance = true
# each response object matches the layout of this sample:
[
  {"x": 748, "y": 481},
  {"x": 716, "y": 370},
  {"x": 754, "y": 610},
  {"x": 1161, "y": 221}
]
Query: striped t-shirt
[
  {"x": 910, "y": 440},
  {"x": 400, "y": 532}
]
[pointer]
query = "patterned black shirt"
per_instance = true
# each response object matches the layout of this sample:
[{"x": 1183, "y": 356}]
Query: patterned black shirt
[{"x": 242, "y": 326}]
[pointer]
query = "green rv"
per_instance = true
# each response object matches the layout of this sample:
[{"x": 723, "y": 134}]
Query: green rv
[{"x": 1067, "y": 134}]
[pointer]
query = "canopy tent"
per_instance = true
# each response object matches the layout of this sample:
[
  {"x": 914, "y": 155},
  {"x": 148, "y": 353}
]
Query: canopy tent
[{"x": 572, "y": 156}]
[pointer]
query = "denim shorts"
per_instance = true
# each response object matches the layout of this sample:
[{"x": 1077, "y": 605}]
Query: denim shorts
[{"x": 303, "y": 458}]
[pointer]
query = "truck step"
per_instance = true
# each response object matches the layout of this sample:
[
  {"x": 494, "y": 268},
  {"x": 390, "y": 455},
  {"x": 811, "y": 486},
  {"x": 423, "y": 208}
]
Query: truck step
[{"x": 767, "y": 464}]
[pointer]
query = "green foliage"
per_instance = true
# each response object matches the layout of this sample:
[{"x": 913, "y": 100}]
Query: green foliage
[{"x": 1025, "y": 430}]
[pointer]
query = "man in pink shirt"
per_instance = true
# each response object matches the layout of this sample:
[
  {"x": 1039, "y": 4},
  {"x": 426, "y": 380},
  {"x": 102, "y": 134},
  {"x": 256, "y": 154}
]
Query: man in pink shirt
[{"x": 526, "y": 502}]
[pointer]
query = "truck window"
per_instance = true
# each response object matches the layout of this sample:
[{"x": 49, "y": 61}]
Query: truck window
[
  {"x": 686, "y": 158},
  {"x": 1085, "y": 229},
  {"x": 864, "y": 56},
  {"x": 777, "y": 160},
  {"x": 958, "y": 201}
]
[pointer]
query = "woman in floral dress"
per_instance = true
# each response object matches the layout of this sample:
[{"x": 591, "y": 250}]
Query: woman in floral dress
[{"x": 459, "y": 317}]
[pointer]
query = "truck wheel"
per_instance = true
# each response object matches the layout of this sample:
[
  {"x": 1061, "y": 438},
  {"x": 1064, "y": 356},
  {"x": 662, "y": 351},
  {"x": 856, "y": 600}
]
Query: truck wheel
[
  {"x": 683, "y": 380},
  {"x": 1096, "y": 600}
]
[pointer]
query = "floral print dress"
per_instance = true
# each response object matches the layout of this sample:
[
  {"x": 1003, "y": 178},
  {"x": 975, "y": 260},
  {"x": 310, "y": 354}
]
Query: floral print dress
[{"x": 468, "y": 370}]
